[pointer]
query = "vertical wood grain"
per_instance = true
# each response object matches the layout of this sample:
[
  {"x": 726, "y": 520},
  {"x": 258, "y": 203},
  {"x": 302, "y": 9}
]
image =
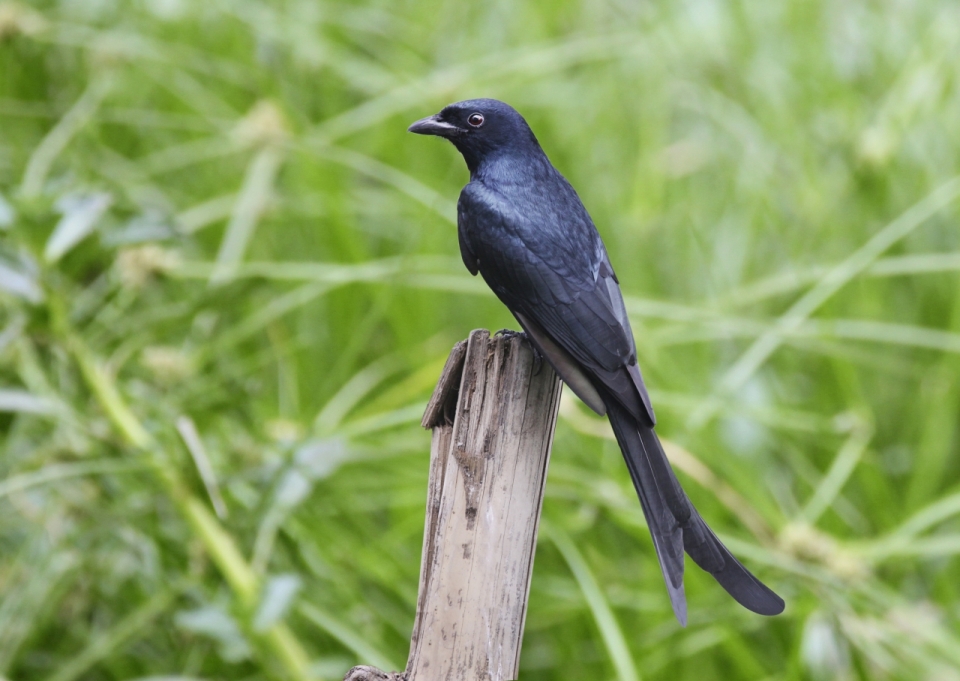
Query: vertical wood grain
[{"x": 487, "y": 473}]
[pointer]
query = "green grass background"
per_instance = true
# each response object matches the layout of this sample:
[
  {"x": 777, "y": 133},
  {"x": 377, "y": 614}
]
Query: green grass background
[{"x": 230, "y": 278}]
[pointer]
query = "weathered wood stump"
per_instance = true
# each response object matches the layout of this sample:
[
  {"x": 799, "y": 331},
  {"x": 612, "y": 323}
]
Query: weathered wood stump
[{"x": 493, "y": 415}]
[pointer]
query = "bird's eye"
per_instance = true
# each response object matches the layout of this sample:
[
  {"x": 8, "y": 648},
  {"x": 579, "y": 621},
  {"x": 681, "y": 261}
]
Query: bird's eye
[{"x": 475, "y": 119}]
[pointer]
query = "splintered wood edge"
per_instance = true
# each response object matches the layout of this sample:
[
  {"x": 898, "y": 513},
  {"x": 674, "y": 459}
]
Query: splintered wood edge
[{"x": 447, "y": 387}]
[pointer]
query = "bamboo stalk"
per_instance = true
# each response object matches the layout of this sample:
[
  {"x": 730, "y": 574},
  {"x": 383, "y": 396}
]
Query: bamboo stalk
[{"x": 493, "y": 415}]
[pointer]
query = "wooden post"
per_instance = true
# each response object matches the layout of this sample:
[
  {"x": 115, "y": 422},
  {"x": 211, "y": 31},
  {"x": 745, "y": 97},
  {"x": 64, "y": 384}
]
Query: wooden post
[{"x": 493, "y": 419}]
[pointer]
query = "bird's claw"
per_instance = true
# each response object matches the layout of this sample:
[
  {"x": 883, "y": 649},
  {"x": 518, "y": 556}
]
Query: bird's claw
[{"x": 537, "y": 357}]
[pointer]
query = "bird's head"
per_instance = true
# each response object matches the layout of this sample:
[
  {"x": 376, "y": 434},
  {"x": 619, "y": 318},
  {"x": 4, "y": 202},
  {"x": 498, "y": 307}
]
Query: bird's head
[{"x": 481, "y": 129}]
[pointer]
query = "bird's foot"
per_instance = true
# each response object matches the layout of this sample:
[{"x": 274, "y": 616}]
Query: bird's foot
[
  {"x": 510, "y": 333},
  {"x": 537, "y": 357}
]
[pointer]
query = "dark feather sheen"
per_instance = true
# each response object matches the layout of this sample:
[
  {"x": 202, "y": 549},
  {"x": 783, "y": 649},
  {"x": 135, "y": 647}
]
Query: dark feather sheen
[{"x": 524, "y": 229}]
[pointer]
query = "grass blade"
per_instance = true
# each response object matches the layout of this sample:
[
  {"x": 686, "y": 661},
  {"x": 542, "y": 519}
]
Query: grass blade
[{"x": 610, "y": 631}]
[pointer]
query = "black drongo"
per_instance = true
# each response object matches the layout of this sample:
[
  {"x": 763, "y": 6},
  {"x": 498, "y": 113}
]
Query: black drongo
[{"x": 523, "y": 228}]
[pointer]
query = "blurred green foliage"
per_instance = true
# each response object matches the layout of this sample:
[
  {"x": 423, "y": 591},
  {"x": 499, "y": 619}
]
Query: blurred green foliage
[{"x": 230, "y": 278}]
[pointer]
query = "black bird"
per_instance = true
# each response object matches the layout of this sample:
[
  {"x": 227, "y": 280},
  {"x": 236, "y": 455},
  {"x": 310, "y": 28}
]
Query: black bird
[{"x": 524, "y": 229}]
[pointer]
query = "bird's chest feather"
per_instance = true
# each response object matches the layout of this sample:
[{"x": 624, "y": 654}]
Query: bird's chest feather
[{"x": 528, "y": 237}]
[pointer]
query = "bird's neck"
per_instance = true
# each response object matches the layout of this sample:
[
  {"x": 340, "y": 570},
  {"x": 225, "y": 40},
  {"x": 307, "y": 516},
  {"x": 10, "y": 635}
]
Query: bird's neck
[{"x": 507, "y": 167}]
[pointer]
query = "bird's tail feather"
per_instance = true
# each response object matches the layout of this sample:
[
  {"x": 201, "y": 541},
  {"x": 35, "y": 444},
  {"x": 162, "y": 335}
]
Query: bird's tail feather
[
  {"x": 666, "y": 533},
  {"x": 675, "y": 524}
]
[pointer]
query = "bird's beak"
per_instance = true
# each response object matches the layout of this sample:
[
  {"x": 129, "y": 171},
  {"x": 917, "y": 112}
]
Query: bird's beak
[{"x": 432, "y": 125}]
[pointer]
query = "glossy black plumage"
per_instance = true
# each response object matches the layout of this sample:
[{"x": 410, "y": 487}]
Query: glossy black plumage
[{"x": 523, "y": 228}]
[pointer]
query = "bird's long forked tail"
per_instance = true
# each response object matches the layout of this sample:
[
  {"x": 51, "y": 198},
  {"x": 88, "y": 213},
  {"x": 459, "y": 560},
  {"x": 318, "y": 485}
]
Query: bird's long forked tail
[{"x": 675, "y": 524}]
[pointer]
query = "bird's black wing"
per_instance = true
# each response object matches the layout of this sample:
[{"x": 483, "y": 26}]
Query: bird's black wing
[
  {"x": 547, "y": 264},
  {"x": 553, "y": 273}
]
